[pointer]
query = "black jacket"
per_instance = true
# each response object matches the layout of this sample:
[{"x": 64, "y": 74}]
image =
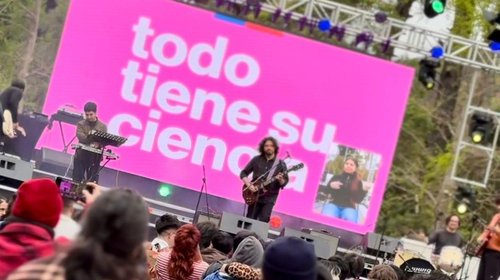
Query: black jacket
[
  {"x": 350, "y": 193},
  {"x": 260, "y": 165},
  {"x": 10, "y": 99}
]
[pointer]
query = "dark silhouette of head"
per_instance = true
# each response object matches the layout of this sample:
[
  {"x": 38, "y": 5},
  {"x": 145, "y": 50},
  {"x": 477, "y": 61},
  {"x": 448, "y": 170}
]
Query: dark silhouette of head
[
  {"x": 110, "y": 244},
  {"x": 208, "y": 231}
]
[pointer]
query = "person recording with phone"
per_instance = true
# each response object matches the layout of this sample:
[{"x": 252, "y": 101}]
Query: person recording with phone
[
  {"x": 86, "y": 163},
  {"x": 267, "y": 161}
]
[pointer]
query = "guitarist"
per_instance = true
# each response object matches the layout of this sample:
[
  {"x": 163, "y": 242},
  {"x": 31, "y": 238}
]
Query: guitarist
[
  {"x": 259, "y": 165},
  {"x": 489, "y": 267},
  {"x": 9, "y": 104}
]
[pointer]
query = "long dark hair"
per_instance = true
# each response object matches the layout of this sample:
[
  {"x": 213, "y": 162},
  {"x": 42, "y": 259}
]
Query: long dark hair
[
  {"x": 110, "y": 245},
  {"x": 183, "y": 255},
  {"x": 275, "y": 143},
  {"x": 357, "y": 182}
]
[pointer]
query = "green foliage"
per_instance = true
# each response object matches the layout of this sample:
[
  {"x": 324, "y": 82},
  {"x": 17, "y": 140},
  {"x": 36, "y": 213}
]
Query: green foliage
[{"x": 16, "y": 26}]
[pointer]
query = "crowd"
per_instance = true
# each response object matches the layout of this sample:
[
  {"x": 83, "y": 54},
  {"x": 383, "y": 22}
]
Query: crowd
[{"x": 40, "y": 240}]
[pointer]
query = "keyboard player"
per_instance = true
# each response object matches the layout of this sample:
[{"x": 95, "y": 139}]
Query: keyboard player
[{"x": 85, "y": 163}]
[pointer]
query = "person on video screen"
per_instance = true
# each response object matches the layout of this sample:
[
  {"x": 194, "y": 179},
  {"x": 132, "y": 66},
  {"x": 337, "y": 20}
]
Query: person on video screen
[{"x": 345, "y": 191}]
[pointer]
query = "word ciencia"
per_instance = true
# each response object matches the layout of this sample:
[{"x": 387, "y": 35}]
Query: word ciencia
[{"x": 141, "y": 86}]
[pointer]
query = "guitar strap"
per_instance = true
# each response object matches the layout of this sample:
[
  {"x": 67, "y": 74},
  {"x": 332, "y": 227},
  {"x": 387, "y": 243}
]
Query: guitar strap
[{"x": 273, "y": 168}]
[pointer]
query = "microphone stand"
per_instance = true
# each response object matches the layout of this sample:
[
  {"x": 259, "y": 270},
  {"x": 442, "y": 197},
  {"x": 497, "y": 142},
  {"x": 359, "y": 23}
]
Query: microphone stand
[{"x": 203, "y": 187}]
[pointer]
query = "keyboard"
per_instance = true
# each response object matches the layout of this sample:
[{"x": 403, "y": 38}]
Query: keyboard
[{"x": 107, "y": 154}]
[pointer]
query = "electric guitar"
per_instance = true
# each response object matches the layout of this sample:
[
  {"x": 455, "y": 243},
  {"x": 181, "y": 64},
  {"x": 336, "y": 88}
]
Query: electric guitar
[
  {"x": 482, "y": 245},
  {"x": 251, "y": 197},
  {"x": 8, "y": 125}
]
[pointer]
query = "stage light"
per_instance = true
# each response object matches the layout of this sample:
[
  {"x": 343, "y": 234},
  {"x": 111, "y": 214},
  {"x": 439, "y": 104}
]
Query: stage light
[
  {"x": 275, "y": 222},
  {"x": 465, "y": 199},
  {"x": 462, "y": 208},
  {"x": 495, "y": 46},
  {"x": 165, "y": 190},
  {"x": 433, "y": 8},
  {"x": 437, "y": 52},
  {"x": 481, "y": 128},
  {"x": 324, "y": 25},
  {"x": 427, "y": 73},
  {"x": 380, "y": 17}
]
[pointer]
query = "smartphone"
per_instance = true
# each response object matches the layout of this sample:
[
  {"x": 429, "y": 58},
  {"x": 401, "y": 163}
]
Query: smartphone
[{"x": 70, "y": 189}]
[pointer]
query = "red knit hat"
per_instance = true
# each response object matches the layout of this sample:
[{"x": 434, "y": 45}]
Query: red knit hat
[{"x": 38, "y": 200}]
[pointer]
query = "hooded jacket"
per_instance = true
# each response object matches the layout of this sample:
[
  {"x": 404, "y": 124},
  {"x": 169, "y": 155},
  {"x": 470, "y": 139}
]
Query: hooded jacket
[
  {"x": 249, "y": 252},
  {"x": 21, "y": 243}
]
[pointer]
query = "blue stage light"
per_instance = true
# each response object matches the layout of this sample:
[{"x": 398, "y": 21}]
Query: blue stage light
[
  {"x": 324, "y": 25},
  {"x": 437, "y": 52}
]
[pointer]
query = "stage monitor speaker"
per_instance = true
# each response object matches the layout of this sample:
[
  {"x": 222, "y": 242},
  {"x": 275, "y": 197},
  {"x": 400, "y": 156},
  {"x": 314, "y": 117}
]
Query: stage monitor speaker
[
  {"x": 13, "y": 168},
  {"x": 387, "y": 244},
  {"x": 205, "y": 217},
  {"x": 23, "y": 147},
  {"x": 232, "y": 223},
  {"x": 324, "y": 246},
  {"x": 56, "y": 162}
]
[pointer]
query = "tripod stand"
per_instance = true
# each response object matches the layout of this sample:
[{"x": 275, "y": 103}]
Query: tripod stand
[{"x": 203, "y": 188}]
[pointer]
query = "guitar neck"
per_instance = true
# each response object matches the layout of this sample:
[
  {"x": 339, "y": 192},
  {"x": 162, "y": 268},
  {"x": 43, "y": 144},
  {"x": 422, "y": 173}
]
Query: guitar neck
[{"x": 273, "y": 179}]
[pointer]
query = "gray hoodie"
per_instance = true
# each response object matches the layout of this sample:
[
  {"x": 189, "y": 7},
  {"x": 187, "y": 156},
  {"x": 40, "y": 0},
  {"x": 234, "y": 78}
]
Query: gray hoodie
[{"x": 249, "y": 252}]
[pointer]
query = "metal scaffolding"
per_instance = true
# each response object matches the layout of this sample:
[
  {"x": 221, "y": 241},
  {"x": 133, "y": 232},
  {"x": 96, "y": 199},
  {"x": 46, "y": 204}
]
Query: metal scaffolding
[
  {"x": 464, "y": 142},
  {"x": 401, "y": 34},
  {"x": 407, "y": 37}
]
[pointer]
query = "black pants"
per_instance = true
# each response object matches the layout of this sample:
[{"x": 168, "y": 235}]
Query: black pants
[
  {"x": 261, "y": 211},
  {"x": 86, "y": 166},
  {"x": 489, "y": 268}
]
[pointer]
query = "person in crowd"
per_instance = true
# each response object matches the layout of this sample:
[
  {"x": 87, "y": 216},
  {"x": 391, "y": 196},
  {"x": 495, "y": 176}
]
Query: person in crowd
[
  {"x": 249, "y": 252},
  {"x": 208, "y": 230},
  {"x": 489, "y": 267},
  {"x": 289, "y": 258},
  {"x": 241, "y": 235},
  {"x": 419, "y": 277},
  {"x": 166, "y": 226},
  {"x": 109, "y": 246},
  {"x": 4, "y": 203},
  {"x": 9, "y": 107},
  {"x": 345, "y": 191},
  {"x": 325, "y": 273},
  {"x": 209, "y": 254},
  {"x": 223, "y": 242},
  {"x": 337, "y": 265},
  {"x": 28, "y": 232},
  {"x": 183, "y": 261},
  {"x": 438, "y": 275},
  {"x": 67, "y": 227},
  {"x": 382, "y": 272},
  {"x": 447, "y": 237},
  {"x": 355, "y": 263},
  {"x": 399, "y": 272},
  {"x": 235, "y": 271},
  {"x": 219, "y": 249}
]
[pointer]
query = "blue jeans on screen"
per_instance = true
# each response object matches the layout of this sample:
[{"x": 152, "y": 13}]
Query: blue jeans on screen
[{"x": 344, "y": 213}]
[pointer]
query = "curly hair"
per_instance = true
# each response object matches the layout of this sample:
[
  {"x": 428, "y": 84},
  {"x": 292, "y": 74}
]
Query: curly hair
[
  {"x": 382, "y": 272},
  {"x": 183, "y": 255},
  {"x": 263, "y": 142}
]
